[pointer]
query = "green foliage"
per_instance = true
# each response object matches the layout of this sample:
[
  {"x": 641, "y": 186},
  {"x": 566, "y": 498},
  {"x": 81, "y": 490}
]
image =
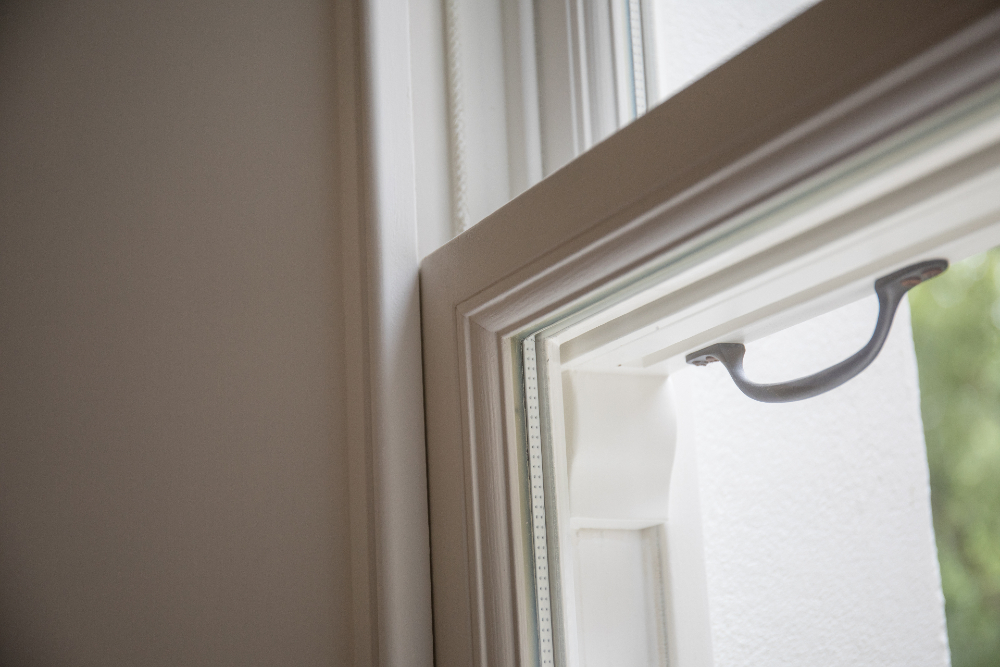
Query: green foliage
[{"x": 956, "y": 332}]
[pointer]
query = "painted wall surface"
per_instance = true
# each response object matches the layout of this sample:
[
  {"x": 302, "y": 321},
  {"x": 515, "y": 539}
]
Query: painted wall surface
[
  {"x": 817, "y": 529},
  {"x": 172, "y": 465}
]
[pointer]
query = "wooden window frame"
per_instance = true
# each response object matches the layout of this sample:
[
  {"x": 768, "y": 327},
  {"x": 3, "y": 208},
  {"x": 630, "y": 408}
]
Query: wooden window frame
[{"x": 835, "y": 80}]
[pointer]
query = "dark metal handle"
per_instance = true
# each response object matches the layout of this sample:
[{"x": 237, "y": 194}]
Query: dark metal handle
[{"x": 890, "y": 290}]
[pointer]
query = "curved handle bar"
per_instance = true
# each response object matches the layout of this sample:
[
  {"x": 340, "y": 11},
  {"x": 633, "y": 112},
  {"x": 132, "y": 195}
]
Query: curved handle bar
[{"x": 890, "y": 290}]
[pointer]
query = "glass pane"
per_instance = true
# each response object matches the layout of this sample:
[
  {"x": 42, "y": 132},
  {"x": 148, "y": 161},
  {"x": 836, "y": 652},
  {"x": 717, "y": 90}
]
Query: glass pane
[
  {"x": 683, "y": 523},
  {"x": 531, "y": 86},
  {"x": 815, "y": 513},
  {"x": 698, "y": 520}
]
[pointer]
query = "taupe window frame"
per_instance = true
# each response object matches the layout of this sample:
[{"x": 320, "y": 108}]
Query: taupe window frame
[{"x": 838, "y": 78}]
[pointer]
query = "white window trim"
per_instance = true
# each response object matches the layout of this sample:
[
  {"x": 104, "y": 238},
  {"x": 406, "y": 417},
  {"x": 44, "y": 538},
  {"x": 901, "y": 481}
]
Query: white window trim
[
  {"x": 736, "y": 137},
  {"x": 377, "y": 218}
]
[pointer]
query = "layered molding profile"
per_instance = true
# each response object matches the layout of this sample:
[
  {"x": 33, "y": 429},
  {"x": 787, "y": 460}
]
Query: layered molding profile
[
  {"x": 390, "y": 573},
  {"x": 831, "y": 83}
]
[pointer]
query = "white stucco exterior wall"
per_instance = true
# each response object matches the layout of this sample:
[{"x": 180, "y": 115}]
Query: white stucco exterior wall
[
  {"x": 818, "y": 542},
  {"x": 694, "y": 37}
]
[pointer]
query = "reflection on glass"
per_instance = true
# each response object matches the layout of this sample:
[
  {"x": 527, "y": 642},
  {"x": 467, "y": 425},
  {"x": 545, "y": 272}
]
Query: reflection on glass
[{"x": 956, "y": 333}]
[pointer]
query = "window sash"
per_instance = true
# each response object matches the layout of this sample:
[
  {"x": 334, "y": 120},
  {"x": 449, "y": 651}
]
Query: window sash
[
  {"x": 851, "y": 74},
  {"x": 929, "y": 190}
]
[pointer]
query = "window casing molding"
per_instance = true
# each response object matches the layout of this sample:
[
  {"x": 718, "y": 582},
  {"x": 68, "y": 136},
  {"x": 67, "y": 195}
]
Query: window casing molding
[
  {"x": 377, "y": 210},
  {"x": 730, "y": 141}
]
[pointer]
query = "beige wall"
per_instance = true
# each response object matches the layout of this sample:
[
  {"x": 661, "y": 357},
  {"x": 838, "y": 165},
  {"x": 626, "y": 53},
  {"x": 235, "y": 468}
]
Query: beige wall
[{"x": 172, "y": 468}]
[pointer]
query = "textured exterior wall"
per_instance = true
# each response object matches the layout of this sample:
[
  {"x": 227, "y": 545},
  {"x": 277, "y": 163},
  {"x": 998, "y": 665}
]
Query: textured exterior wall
[
  {"x": 693, "y": 38},
  {"x": 172, "y": 468},
  {"x": 817, "y": 529}
]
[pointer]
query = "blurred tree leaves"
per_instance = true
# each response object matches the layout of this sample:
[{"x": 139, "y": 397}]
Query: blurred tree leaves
[{"x": 956, "y": 333}]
